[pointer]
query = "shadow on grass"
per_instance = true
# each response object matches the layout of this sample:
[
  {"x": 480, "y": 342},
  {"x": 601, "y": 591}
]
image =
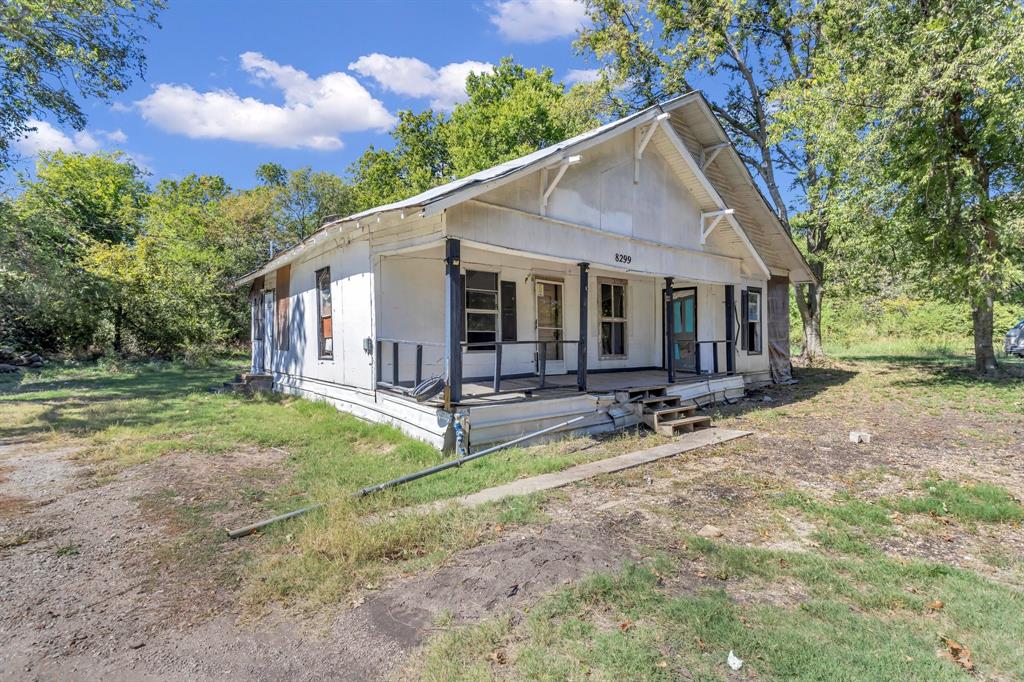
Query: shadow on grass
[{"x": 89, "y": 399}]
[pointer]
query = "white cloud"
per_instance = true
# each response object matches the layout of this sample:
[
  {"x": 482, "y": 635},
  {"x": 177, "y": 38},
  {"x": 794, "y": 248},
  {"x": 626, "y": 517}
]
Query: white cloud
[
  {"x": 534, "y": 21},
  {"x": 116, "y": 136},
  {"x": 314, "y": 113},
  {"x": 575, "y": 76},
  {"x": 415, "y": 78},
  {"x": 46, "y": 138}
]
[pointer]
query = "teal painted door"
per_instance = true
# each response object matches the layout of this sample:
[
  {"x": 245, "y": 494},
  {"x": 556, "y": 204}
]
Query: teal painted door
[{"x": 684, "y": 330}]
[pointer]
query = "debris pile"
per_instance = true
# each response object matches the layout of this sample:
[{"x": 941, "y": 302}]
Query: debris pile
[{"x": 12, "y": 361}]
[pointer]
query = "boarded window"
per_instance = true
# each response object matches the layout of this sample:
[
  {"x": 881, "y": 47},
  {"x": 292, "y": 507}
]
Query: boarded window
[
  {"x": 481, "y": 296},
  {"x": 257, "y": 318},
  {"x": 281, "y": 291},
  {"x": 613, "y": 318},
  {"x": 325, "y": 326},
  {"x": 508, "y": 311}
]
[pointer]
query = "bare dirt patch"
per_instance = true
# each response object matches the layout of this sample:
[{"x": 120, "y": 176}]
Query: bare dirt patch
[
  {"x": 93, "y": 574},
  {"x": 497, "y": 577},
  {"x": 131, "y": 578}
]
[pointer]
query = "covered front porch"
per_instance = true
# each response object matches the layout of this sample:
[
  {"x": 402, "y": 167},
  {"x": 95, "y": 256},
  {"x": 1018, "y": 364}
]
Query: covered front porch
[{"x": 500, "y": 326}]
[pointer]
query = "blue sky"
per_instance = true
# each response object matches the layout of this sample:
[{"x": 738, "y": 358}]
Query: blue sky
[{"x": 231, "y": 85}]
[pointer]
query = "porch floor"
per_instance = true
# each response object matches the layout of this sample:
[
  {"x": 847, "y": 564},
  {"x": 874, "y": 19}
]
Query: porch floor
[{"x": 564, "y": 385}]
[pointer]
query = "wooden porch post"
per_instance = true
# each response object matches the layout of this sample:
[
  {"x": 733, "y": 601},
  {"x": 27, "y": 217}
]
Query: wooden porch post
[
  {"x": 581, "y": 347},
  {"x": 670, "y": 323},
  {"x": 730, "y": 329},
  {"x": 453, "y": 316}
]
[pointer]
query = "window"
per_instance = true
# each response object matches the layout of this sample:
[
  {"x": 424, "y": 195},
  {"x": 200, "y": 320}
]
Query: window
[
  {"x": 613, "y": 318},
  {"x": 323, "y": 306},
  {"x": 751, "y": 305},
  {"x": 481, "y": 296}
]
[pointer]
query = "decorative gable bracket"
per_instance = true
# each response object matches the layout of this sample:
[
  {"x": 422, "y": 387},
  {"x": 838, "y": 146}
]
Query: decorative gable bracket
[
  {"x": 709, "y": 221},
  {"x": 708, "y": 154},
  {"x": 548, "y": 187},
  {"x": 642, "y": 136}
]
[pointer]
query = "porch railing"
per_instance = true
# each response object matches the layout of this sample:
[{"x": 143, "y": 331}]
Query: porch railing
[
  {"x": 728, "y": 344},
  {"x": 393, "y": 347},
  {"x": 542, "y": 358}
]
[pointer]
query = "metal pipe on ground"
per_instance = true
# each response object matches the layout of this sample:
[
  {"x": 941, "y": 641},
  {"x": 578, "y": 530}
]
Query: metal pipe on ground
[
  {"x": 462, "y": 460},
  {"x": 362, "y": 492}
]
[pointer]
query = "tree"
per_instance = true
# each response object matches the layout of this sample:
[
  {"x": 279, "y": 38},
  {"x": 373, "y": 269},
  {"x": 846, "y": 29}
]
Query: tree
[
  {"x": 76, "y": 205},
  {"x": 55, "y": 51},
  {"x": 420, "y": 159},
  {"x": 173, "y": 278},
  {"x": 303, "y": 200},
  {"x": 755, "y": 48},
  {"x": 510, "y": 112},
  {"x": 922, "y": 105}
]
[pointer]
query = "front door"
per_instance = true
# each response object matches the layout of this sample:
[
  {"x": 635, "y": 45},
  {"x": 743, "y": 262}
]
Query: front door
[
  {"x": 684, "y": 330},
  {"x": 268, "y": 331},
  {"x": 550, "y": 313}
]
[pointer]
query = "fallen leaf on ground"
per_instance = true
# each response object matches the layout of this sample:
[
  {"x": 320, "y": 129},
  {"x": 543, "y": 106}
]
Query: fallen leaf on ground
[
  {"x": 958, "y": 653},
  {"x": 936, "y": 605},
  {"x": 626, "y": 625}
]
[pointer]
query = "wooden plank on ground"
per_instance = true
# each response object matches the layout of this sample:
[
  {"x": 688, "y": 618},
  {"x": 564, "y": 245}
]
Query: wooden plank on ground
[{"x": 558, "y": 479}]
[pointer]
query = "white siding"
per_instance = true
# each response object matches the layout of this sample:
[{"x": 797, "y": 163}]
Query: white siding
[{"x": 351, "y": 302}]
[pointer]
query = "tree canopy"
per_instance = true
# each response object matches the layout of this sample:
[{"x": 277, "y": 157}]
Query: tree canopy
[
  {"x": 510, "y": 112},
  {"x": 921, "y": 108},
  {"x": 55, "y": 52}
]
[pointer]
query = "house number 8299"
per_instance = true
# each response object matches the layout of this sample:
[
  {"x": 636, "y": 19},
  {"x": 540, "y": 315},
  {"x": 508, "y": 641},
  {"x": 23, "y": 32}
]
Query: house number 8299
[{"x": 623, "y": 258}]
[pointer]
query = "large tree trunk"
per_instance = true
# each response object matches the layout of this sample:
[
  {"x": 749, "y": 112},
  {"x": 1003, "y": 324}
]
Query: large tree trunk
[
  {"x": 808, "y": 301},
  {"x": 984, "y": 353}
]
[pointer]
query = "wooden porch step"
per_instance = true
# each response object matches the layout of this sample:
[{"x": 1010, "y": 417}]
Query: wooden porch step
[
  {"x": 677, "y": 409},
  {"x": 674, "y": 427}
]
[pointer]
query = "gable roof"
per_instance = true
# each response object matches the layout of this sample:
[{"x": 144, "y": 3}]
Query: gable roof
[{"x": 758, "y": 227}]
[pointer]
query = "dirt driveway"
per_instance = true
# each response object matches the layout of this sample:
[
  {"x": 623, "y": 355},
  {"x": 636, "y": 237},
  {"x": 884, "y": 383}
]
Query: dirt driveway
[{"x": 95, "y": 583}]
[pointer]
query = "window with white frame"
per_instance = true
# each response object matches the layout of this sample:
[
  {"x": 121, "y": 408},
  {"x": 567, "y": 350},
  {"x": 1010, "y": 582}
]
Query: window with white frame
[
  {"x": 481, "y": 296},
  {"x": 752, "y": 320},
  {"x": 613, "y": 318}
]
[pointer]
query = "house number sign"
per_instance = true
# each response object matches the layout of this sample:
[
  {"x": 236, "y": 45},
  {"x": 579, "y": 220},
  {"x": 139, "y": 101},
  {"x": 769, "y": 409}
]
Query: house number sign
[{"x": 623, "y": 258}]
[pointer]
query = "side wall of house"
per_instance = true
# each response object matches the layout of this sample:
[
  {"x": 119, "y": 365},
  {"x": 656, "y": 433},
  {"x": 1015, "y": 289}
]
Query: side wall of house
[{"x": 352, "y": 315}]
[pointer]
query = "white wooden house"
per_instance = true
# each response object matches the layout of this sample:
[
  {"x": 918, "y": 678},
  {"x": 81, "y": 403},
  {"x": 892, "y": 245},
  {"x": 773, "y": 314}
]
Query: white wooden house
[{"x": 639, "y": 254}]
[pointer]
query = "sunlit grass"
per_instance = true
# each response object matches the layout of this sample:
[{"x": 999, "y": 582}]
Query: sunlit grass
[{"x": 859, "y": 619}]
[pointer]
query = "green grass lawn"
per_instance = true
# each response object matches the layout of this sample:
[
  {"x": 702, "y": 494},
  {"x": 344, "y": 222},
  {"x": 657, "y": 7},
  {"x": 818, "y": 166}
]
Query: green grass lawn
[
  {"x": 856, "y": 620},
  {"x": 855, "y": 615},
  {"x": 134, "y": 414}
]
